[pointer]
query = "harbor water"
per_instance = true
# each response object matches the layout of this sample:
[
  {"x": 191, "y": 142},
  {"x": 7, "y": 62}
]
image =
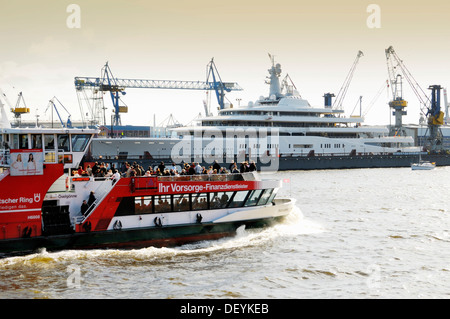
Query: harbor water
[{"x": 361, "y": 233}]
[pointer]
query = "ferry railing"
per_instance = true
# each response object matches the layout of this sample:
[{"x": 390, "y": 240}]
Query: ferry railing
[
  {"x": 100, "y": 193},
  {"x": 248, "y": 176}
]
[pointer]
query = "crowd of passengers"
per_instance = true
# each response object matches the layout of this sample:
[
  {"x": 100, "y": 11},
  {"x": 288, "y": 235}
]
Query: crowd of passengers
[{"x": 129, "y": 170}]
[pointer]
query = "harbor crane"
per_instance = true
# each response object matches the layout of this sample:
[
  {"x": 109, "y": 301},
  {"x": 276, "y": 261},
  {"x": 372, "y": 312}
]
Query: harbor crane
[
  {"x": 431, "y": 109},
  {"x": 343, "y": 91},
  {"x": 108, "y": 83},
  {"x": 18, "y": 110}
]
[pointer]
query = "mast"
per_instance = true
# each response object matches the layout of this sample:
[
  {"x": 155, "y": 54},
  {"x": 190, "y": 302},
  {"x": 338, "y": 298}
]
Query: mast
[{"x": 274, "y": 79}]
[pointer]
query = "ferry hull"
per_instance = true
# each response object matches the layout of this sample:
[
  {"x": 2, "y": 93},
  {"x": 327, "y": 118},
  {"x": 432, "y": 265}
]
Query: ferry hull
[{"x": 132, "y": 238}]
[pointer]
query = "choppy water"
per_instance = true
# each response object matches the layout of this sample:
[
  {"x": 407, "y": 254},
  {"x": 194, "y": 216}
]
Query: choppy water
[{"x": 370, "y": 233}]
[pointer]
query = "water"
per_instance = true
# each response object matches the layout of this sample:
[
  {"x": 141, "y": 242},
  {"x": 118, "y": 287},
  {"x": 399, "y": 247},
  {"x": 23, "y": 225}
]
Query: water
[{"x": 369, "y": 233}]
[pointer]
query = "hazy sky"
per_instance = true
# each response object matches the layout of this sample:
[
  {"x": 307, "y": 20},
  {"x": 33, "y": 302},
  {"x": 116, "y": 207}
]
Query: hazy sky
[{"x": 315, "y": 42}]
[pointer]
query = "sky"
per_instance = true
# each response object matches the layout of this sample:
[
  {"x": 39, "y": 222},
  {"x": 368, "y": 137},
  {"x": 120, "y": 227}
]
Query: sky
[{"x": 46, "y": 44}]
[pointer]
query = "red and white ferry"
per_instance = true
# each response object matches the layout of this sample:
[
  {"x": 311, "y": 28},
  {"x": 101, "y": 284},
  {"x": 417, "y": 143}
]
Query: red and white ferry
[{"x": 40, "y": 203}]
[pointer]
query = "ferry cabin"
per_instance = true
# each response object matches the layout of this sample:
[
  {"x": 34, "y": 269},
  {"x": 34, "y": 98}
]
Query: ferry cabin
[
  {"x": 169, "y": 199},
  {"x": 32, "y": 160},
  {"x": 55, "y": 145}
]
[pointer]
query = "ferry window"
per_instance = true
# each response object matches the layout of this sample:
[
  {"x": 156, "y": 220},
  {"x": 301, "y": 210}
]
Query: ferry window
[
  {"x": 49, "y": 141},
  {"x": 23, "y": 141},
  {"x": 36, "y": 141},
  {"x": 199, "y": 201},
  {"x": 143, "y": 205},
  {"x": 162, "y": 204},
  {"x": 220, "y": 200},
  {"x": 79, "y": 142},
  {"x": 15, "y": 141},
  {"x": 253, "y": 198},
  {"x": 265, "y": 197},
  {"x": 272, "y": 196},
  {"x": 181, "y": 203},
  {"x": 238, "y": 199},
  {"x": 126, "y": 207},
  {"x": 63, "y": 142},
  {"x": 215, "y": 201},
  {"x": 65, "y": 158},
  {"x": 50, "y": 157}
]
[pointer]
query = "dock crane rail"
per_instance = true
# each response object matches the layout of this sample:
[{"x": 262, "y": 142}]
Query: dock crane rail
[{"x": 107, "y": 82}]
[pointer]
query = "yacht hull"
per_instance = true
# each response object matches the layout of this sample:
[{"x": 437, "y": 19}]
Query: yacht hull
[{"x": 320, "y": 162}]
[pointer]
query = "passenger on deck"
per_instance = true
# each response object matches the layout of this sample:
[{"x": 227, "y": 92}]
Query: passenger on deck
[
  {"x": 89, "y": 170},
  {"x": 102, "y": 170},
  {"x": 198, "y": 169},
  {"x": 91, "y": 199},
  {"x": 95, "y": 168},
  {"x": 244, "y": 167},
  {"x": 128, "y": 170},
  {"x": 115, "y": 177},
  {"x": 90, "y": 203},
  {"x": 109, "y": 174},
  {"x": 216, "y": 166},
  {"x": 234, "y": 169},
  {"x": 161, "y": 167},
  {"x": 84, "y": 208},
  {"x": 252, "y": 167}
]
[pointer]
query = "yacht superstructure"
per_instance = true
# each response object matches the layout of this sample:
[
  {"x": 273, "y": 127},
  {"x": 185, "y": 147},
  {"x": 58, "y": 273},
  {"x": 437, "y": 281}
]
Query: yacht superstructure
[{"x": 293, "y": 127}]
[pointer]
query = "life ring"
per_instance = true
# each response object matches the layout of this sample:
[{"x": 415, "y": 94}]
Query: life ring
[
  {"x": 26, "y": 233},
  {"x": 87, "y": 226},
  {"x": 157, "y": 222},
  {"x": 117, "y": 225},
  {"x": 199, "y": 218}
]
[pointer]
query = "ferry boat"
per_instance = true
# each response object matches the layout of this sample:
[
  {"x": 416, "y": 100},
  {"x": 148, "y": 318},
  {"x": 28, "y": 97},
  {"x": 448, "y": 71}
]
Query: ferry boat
[
  {"x": 42, "y": 205},
  {"x": 283, "y": 128}
]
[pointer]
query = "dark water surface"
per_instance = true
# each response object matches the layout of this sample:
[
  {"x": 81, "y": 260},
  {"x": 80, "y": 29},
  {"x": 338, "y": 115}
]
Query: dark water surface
[{"x": 369, "y": 233}]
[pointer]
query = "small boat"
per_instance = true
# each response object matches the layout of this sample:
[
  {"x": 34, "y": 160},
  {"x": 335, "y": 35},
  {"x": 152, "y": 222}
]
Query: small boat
[
  {"x": 423, "y": 165},
  {"x": 42, "y": 205}
]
